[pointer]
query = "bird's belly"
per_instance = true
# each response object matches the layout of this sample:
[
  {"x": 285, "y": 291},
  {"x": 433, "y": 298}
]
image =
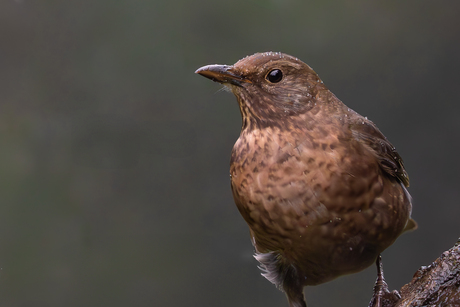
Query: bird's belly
[{"x": 329, "y": 223}]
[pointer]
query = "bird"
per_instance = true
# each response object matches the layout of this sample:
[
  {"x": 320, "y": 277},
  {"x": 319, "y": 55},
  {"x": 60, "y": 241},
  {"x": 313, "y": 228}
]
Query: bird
[{"x": 322, "y": 190}]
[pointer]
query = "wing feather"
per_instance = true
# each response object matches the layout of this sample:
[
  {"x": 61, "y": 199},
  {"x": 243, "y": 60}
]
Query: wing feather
[{"x": 370, "y": 136}]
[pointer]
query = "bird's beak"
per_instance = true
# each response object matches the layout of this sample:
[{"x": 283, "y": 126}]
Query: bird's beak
[{"x": 222, "y": 74}]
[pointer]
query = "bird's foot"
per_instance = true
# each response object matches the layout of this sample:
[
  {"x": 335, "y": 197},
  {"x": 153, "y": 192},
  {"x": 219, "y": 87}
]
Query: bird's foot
[{"x": 382, "y": 296}]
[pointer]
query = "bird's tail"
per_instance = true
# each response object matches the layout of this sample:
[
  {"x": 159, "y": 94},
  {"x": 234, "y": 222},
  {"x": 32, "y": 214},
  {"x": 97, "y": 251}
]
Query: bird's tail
[{"x": 284, "y": 275}]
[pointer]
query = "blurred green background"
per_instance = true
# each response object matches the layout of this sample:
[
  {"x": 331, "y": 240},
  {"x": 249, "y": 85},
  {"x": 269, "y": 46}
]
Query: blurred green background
[{"x": 114, "y": 155}]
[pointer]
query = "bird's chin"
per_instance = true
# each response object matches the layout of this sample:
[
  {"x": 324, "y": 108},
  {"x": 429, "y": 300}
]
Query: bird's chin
[
  {"x": 236, "y": 89},
  {"x": 226, "y": 88}
]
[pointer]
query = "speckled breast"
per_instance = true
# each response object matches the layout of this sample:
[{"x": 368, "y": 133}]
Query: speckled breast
[{"x": 318, "y": 201}]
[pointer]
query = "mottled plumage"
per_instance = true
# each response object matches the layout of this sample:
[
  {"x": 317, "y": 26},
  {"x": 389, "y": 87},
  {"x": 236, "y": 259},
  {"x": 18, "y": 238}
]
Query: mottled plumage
[{"x": 321, "y": 188}]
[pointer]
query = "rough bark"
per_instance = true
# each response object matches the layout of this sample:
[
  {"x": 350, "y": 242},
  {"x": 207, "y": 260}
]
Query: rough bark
[{"x": 435, "y": 285}]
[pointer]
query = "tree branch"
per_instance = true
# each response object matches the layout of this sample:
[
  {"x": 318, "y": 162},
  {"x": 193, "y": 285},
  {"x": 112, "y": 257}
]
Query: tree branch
[{"x": 435, "y": 285}]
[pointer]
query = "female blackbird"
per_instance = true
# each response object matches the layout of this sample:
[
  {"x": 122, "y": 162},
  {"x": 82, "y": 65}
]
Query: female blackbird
[{"x": 321, "y": 188}]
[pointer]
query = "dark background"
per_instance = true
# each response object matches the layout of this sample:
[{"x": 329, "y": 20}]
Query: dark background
[{"x": 114, "y": 155}]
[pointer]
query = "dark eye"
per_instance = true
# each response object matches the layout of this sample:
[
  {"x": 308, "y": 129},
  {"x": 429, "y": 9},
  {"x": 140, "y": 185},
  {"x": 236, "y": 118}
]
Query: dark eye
[{"x": 274, "y": 76}]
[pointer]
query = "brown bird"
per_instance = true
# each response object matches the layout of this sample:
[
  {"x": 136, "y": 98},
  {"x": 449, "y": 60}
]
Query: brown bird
[{"x": 322, "y": 189}]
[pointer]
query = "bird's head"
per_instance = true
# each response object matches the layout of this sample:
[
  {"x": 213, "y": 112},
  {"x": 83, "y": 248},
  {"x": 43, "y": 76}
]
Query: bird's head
[{"x": 270, "y": 87}]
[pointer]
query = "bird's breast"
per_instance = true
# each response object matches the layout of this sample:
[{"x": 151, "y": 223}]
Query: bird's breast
[
  {"x": 289, "y": 186},
  {"x": 279, "y": 179}
]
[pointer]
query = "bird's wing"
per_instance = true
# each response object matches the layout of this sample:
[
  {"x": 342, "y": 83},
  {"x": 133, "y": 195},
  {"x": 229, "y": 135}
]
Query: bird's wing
[{"x": 365, "y": 132}]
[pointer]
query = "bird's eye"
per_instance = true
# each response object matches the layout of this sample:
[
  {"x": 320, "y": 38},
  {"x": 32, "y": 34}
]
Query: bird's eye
[{"x": 274, "y": 76}]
